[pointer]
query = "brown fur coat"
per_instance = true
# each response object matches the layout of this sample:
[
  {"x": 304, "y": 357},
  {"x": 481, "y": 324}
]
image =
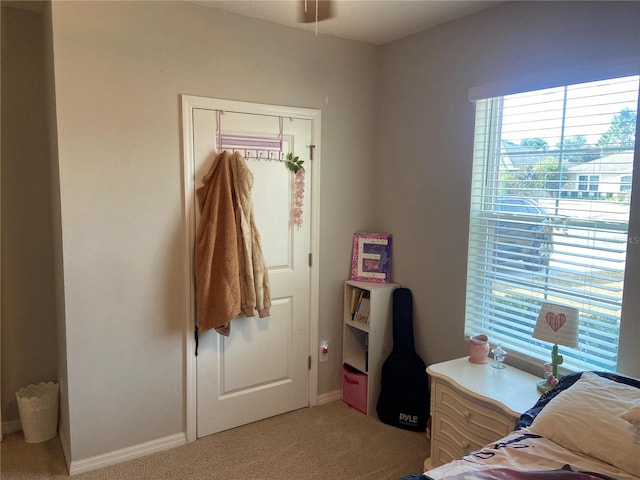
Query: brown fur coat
[{"x": 231, "y": 273}]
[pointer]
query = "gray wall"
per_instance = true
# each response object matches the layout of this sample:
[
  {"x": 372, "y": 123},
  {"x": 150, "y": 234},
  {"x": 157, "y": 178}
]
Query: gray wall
[
  {"x": 398, "y": 118},
  {"x": 119, "y": 70},
  {"x": 426, "y": 123},
  {"x": 28, "y": 298}
]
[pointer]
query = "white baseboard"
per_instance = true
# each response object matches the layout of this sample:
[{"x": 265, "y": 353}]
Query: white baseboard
[
  {"x": 11, "y": 426},
  {"x": 65, "y": 447},
  {"x": 126, "y": 454},
  {"x": 329, "y": 397}
]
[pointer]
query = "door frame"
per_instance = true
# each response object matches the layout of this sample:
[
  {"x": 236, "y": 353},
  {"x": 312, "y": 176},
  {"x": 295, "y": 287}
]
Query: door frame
[{"x": 189, "y": 103}]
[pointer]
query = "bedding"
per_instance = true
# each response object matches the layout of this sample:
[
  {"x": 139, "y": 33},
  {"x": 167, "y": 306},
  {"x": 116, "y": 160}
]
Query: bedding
[
  {"x": 587, "y": 418},
  {"x": 585, "y": 428}
]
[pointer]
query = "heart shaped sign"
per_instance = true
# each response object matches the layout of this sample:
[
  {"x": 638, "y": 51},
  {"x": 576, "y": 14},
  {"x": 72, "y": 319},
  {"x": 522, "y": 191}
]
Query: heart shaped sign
[{"x": 556, "y": 321}]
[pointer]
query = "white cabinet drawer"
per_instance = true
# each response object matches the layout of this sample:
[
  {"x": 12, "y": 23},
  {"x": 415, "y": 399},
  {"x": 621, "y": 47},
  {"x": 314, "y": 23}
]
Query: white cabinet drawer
[
  {"x": 473, "y": 405},
  {"x": 487, "y": 423},
  {"x": 458, "y": 436},
  {"x": 442, "y": 452}
]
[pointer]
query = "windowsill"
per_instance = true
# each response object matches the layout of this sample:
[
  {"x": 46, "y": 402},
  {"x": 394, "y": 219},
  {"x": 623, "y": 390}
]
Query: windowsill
[{"x": 529, "y": 364}]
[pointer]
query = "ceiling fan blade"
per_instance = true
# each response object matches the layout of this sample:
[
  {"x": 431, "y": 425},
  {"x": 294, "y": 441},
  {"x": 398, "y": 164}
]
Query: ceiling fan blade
[{"x": 325, "y": 10}]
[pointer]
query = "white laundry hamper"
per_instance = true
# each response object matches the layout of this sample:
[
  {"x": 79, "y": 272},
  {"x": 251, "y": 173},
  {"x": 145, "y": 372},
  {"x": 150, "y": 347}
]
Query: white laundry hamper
[{"x": 38, "y": 407}]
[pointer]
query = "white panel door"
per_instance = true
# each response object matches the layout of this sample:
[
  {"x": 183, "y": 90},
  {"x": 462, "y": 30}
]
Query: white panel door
[{"x": 261, "y": 369}]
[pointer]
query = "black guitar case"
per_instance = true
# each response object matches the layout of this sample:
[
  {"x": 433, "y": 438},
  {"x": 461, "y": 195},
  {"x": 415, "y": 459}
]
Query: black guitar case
[{"x": 404, "y": 395}]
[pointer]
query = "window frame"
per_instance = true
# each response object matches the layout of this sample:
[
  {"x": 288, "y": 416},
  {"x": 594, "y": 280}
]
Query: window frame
[{"x": 484, "y": 212}]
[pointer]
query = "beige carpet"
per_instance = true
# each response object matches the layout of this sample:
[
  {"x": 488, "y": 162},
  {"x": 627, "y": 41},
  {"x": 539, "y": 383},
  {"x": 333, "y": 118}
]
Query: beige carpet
[{"x": 330, "y": 442}]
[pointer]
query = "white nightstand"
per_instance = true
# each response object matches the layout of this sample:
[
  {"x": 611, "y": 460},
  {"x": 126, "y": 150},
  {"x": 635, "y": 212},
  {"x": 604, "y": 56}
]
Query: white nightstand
[{"x": 474, "y": 404}]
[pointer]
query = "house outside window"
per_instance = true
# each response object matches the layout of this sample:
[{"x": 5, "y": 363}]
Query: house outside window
[
  {"x": 549, "y": 216},
  {"x": 588, "y": 182}
]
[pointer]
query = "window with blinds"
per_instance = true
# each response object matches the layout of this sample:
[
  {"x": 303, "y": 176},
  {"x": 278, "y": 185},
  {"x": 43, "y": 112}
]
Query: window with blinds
[{"x": 550, "y": 205}]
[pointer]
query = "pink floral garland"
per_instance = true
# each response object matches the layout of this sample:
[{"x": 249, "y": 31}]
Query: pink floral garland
[{"x": 298, "y": 185}]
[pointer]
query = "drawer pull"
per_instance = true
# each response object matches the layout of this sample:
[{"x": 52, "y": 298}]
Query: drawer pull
[
  {"x": 466, "y": 414},
  {"x": 465, "y": 445}
]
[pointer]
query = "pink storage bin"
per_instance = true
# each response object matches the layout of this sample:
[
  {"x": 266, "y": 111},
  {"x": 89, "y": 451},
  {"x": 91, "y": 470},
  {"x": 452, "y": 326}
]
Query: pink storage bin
[{"x": 354, "y": 388}]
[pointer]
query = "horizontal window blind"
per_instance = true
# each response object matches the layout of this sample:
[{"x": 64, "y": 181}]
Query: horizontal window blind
[{"x": 550, "y": 205}]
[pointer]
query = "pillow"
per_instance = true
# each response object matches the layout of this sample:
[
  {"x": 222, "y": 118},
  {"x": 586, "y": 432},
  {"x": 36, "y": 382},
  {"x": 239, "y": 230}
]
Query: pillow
[
  {"x": 586, "y": 418},
  {"x": 633, "y": 417},
  {"x": 633, "y": 414}
]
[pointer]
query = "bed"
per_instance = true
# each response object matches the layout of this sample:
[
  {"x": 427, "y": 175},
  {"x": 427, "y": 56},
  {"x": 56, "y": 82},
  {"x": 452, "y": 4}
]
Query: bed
[{"x": 586, "y": 428}]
